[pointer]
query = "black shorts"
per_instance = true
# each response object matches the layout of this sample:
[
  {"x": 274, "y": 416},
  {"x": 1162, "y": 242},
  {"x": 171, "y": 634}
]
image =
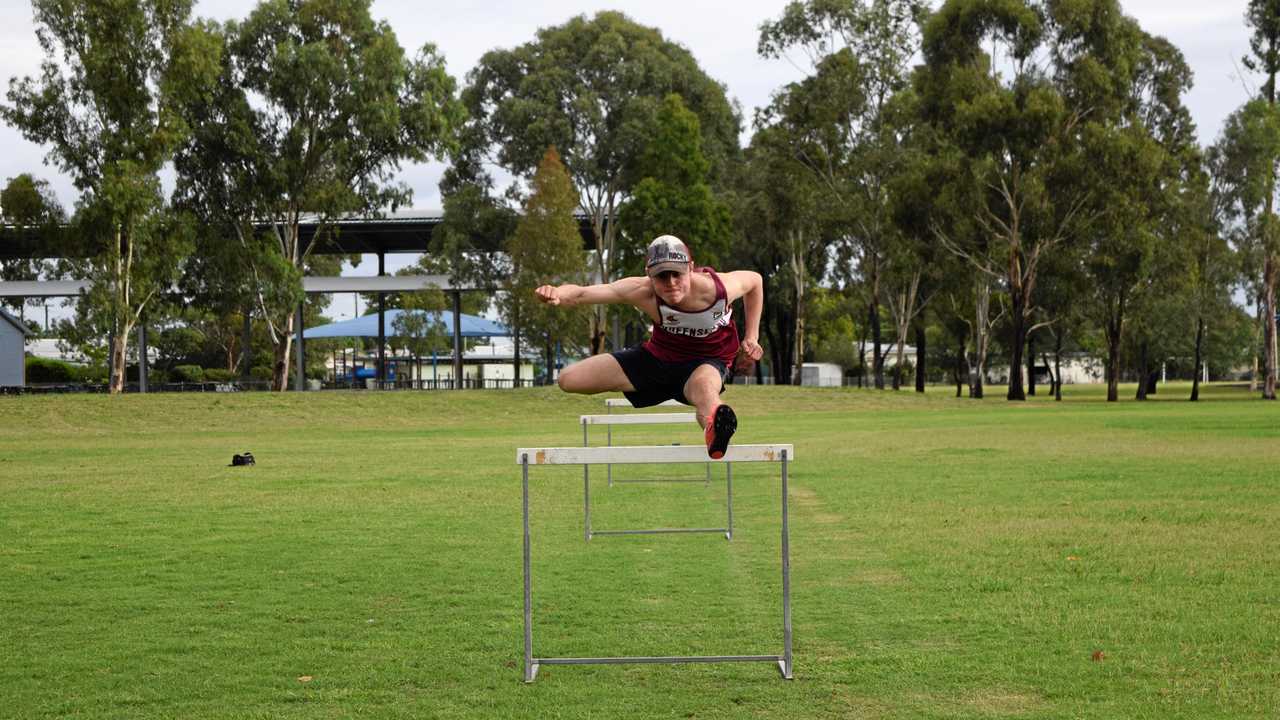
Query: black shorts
[{"x": 656, "y": 381}]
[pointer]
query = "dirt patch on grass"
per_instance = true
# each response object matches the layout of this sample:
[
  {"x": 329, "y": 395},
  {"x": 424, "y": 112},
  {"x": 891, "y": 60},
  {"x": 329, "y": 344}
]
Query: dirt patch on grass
[
  {"x": 1003, "y": 702},
  {"x": 880, "y": 577}
]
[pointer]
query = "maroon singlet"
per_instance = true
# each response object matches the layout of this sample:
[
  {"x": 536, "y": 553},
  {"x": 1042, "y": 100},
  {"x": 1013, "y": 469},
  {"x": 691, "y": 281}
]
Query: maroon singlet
[{"x": 701, "y": 335}]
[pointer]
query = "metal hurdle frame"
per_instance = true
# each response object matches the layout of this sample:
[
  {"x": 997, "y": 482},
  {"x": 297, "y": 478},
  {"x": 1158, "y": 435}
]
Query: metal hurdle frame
[
  {"x": 623, "y": 455},
  {"x": 647, "y": 419},
  {"x": 611, "y": 403}
]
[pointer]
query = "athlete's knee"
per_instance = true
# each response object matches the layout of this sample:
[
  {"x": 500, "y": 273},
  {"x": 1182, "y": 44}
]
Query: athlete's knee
[{"x": 571, "y": 380}]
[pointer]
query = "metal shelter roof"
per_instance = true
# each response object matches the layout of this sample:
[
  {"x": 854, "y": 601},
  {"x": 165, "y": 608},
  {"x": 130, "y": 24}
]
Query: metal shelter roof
[
  {"x": 473, "y": 326},
  {"x": 403, "y": 231}
]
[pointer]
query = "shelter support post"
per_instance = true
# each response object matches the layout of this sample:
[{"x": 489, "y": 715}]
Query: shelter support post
[
  {"x": 381, "y": 372},
  {"x": 457, "y": 338}
]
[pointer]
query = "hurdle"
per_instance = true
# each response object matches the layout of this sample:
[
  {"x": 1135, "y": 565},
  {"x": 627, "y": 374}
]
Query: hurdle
[
  {"x": 632, "y": 455},
  {"x": 611, "y": 403},
  {"x": 646, "y": 419}
]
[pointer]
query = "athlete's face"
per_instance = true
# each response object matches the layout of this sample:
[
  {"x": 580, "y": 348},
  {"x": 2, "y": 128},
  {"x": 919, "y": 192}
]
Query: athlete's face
[{"x": 671, "y": 286}]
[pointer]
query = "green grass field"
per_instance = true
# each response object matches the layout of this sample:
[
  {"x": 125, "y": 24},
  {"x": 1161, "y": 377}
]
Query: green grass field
[{"x": 950, "y": 559}]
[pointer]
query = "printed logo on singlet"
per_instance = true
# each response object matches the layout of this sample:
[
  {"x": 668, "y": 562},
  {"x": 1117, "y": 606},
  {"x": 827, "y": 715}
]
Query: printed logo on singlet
[{"x": 699, "y": 324}]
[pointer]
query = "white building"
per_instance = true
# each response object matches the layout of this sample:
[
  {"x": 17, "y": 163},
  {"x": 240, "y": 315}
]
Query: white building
[
  {"x": 821, "y": 375},
  {"x": 13, "y": 363}
]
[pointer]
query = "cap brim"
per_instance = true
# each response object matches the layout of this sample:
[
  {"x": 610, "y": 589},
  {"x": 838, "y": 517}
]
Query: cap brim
[{"x": 680, "y": 267}]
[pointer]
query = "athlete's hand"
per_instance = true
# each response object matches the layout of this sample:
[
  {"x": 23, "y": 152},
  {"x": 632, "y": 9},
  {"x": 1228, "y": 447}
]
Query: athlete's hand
[
  {"x": 751, "y": 348},
  {"x": 548, "y": 294}
]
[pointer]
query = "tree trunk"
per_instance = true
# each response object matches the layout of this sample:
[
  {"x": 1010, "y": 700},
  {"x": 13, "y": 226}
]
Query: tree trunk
[
  {"x": 1018, "y": 343},
  {"x": 284, "y": 344},
  {"x": 961, "y": 361},
  {"x": 897, "y": 366},
  {"x": 1195, "y": 381},
  {"x": 981, "y": 338},
  {"x": 1113, "y": 368},
  {"x": 246, "y": 346},
  {"x": 799, "y": 277},
  {"x": 920, "y": 355},
  {"x": 598, "y": 322},
  {"x": 1143, "y": 371},
  {"x": 1269, "y": 328},
  {"x": 1057, "y": 367},
  {"x": 862, "y": 357},
  {"x": 877, "y": 359},
  {"x": 551, "y": 362},
  {"x": 1031, "y": 365},
  {"x": 1114, "y": 332},
  {"x": 779, "y": 330},
  {"x": 119, "y": 344}
]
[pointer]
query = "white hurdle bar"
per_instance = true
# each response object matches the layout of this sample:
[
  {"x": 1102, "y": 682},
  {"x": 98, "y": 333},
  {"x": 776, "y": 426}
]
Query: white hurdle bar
[
  {"x": 623, "y": 455},
  {"x": 611, "y": 403},
  {"x": 647, "y": 419}
]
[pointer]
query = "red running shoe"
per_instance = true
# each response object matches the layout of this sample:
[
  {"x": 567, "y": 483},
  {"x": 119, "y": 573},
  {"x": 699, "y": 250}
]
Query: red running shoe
[{"x": 719, "y": 430}]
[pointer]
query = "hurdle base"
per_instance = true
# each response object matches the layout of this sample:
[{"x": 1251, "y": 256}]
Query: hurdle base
[
  {"x": 728, "y": 534},
  {"x": 532, "y": 673}
]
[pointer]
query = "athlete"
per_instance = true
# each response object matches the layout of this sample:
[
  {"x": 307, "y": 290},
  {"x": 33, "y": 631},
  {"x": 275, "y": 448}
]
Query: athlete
[{"x": 693, "y": 343}]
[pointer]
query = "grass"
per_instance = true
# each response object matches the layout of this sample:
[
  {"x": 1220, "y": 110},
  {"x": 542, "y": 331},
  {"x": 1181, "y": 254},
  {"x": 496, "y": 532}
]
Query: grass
[{"x": 951, "y": 559}]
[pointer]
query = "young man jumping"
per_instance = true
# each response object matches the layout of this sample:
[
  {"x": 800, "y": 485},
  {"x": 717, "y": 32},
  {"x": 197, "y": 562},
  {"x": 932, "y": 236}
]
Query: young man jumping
[{"x": 693, "y": 344}]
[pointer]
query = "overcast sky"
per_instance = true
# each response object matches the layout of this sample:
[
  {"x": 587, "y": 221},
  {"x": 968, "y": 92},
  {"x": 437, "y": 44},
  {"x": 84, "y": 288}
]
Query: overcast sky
[{"x": 722, "y": 36}]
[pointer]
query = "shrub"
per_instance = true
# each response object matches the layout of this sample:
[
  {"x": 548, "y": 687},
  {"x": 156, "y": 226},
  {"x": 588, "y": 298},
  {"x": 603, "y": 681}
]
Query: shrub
[
  {"x": 46, "y": 370},
  {"x": 92, "y": 374},
  {"x": 218, "y": 375},
  {"x": 260, "y": 372},
  {"x": 187, "y": 373}
]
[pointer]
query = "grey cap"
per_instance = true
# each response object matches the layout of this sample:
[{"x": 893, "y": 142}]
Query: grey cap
[{"x": 667, "y": 253}]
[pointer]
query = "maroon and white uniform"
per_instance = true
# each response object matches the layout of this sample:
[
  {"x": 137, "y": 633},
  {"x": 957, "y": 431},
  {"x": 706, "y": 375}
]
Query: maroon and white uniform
[{"x": 700, "y": 335}]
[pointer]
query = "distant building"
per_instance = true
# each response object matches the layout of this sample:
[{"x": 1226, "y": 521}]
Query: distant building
[
  {"x": 48, "y": 348},
  {"x": 13, "y": 363},
  {"x": 483, "y": 365},
  {"x": 821, "y": 375},
  {"x": 1078, "y": 368}
]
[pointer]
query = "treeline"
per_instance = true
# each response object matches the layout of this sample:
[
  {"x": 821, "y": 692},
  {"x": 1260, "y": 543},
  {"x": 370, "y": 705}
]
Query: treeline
[{"x": 996, "y": 182}]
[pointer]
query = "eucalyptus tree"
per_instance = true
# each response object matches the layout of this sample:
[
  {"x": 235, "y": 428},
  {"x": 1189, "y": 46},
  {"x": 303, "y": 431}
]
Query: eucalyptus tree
[
  {"x": 917, "y": 263},
  {"x": 836, "y": 123},
  {"x": 782, "y": 232},
  {"x": 591, "y": 88},
  {"x": 988, "y": 85},
  {"x": 1138, "y": 155},
  {"x": 305, "y": 115},
  {"x": 1061, "y": 312},
  {"x": 102, "y": 104},
  {"x": 1263, "y": 17},
  {"x": 1241, "y": 162}
]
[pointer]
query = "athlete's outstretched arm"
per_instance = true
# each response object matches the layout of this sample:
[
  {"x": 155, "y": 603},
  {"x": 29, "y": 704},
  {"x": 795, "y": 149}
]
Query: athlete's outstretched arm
[{"x": 631, "y": 291}]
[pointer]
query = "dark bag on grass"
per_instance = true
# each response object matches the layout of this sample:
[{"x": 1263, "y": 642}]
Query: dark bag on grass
[{"x": 245, "y": 459}]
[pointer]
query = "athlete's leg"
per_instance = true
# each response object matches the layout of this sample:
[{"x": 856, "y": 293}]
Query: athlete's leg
[
  {"x": 718, "y": 421},
  {"x": 702, "y": 390},
  {"x": 598, "y": 373}
]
